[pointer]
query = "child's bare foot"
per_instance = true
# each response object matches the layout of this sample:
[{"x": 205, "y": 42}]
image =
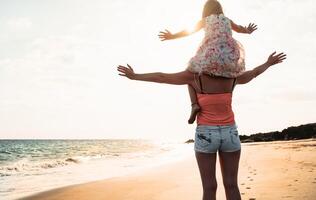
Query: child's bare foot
[{"x": 194, "y": 111}]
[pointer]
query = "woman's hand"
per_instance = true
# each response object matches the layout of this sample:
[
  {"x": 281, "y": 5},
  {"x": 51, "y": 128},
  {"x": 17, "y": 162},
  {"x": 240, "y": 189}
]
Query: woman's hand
[
  {"x": 251, "y": 28},
  {"x": 275, "y": 58},
  {"x": 126, "y": 71},
  {"x": 165, "y": 35}
]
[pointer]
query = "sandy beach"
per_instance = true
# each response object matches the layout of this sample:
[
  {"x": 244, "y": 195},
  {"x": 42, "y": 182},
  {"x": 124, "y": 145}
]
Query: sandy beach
[{"x": 268, "y": 171}]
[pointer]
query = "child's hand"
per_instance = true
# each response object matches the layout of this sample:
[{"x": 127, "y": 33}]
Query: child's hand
[
  {"x": 275, "y": 59},
  {"x": 126, "y": 71},
  {"x": 167, "y": 35},
  {"x": 251, "y": 28}
]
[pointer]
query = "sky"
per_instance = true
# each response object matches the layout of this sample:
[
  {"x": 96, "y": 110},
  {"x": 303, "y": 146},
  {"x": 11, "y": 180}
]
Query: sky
[{"x": 58, "y": 62}]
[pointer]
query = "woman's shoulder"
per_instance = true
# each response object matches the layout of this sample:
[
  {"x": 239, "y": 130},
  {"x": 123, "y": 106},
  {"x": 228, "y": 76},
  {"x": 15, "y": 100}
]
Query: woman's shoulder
[
  {"x": 188, "y": 74},
  {"x": 185, "y": 76}
]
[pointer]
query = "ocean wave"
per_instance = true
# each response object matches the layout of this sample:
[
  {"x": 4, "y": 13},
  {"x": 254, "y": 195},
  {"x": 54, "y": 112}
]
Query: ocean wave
[
  {"x": 28, "y": 158},
  {"x": 29, "y": 166},
  {"x": 25, "y": 166},
  {"x": 5, "y": 152}
]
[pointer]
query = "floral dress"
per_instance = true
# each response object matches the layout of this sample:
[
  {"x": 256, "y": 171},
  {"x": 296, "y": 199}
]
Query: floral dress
[{"x": 219, "y": 53}]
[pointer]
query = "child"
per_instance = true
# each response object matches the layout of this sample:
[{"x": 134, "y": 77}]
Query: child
[{"x": 219, "y": 53}]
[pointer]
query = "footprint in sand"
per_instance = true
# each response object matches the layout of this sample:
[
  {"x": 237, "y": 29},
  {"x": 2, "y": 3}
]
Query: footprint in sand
[
  {"x": 289, "y": 185},
  {"x": 248, "y": 188},
  {"x": 295, "y": 180},
  {"x": 314, "y": 182},
  {"x": 252, "y": 198},
  {"x": 242, "y": 193},
  {"x": 242, "y": 184},
  {"x": 250, "y": 179}
]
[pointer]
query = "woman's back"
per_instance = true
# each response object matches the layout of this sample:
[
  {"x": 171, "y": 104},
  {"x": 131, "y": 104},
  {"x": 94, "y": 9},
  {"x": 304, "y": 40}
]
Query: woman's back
[
  {"x": 215, "y": 99},
  {"x": 207, "y": 84}
]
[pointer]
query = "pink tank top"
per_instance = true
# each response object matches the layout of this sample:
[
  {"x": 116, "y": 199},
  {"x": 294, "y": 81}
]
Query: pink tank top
[{"x": 216, "y": 109}]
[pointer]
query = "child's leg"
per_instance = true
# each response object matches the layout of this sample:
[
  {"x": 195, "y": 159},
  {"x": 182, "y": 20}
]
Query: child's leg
[{"x": 195, "y": 108}]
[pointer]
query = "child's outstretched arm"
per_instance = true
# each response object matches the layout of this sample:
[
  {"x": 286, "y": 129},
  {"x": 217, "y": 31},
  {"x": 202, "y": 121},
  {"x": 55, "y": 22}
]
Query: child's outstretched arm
[
  {"x": 251, "y": 74},
  {"x": 243, "y": 29},
  {"x": 167, "y": 35}
]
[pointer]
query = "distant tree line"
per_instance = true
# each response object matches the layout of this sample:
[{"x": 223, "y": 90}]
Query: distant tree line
[{"x": 291, "y": 133}]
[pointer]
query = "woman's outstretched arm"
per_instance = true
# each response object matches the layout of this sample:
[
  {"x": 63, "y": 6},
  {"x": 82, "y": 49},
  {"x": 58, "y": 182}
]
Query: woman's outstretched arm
[
  {"x": 180, "y": 78},
  {"x": 251, "y": 74}
]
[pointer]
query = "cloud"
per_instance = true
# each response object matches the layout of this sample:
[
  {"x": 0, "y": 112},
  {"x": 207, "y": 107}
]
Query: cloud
[
  {"x": 19, "y": 23},
  {"x": 296, "y": 95},
  {"x": 56, "y": 49},
  {"x": 46, "y": 61}
]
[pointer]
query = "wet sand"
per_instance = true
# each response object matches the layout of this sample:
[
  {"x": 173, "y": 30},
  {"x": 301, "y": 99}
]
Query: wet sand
[{"x": 268, "y": 171}]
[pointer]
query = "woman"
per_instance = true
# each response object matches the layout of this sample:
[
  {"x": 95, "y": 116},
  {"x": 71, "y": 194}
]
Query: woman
[{"x": 216, "y": 130}]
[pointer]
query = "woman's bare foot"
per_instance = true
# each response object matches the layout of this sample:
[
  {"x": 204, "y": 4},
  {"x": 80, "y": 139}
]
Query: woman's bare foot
[{"x": 195, "y": 108}]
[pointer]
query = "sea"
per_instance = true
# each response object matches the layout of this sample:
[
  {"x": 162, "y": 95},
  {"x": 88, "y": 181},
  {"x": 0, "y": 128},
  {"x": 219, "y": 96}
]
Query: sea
[{"x": 31, "y": 166}]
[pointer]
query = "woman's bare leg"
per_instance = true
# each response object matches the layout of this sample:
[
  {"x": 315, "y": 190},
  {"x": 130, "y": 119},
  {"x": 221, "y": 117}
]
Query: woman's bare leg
[
  {"x": 207, "y": 167},
  {"x": 195, "y": 108},
  {"x": 229, "y": 165}
]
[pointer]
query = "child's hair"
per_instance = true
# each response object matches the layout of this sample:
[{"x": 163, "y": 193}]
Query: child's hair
[{"x": 212, "y": 7}]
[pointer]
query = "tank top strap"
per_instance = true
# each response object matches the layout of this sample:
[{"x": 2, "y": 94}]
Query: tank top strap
[
  {"x": 198, "y": 82},
  {"x": 234, "y": 84},
  {"x": 201, "y": 87}
]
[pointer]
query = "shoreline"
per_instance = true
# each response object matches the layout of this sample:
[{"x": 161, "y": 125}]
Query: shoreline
[
  {"x": 143, "y": 177},
  {"x": 144, "y": 165},
  {"x": 274, "y": 170},
  {"x": 147, "y": 173},
  {"x": 99, "y": 160}
]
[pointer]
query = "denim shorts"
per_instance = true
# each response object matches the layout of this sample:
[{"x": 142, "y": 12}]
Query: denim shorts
[{"x": 210, "y": 139}]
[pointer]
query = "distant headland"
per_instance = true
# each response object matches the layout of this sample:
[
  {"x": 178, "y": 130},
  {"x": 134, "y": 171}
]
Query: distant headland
[{"x": 305, "y": 131}]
